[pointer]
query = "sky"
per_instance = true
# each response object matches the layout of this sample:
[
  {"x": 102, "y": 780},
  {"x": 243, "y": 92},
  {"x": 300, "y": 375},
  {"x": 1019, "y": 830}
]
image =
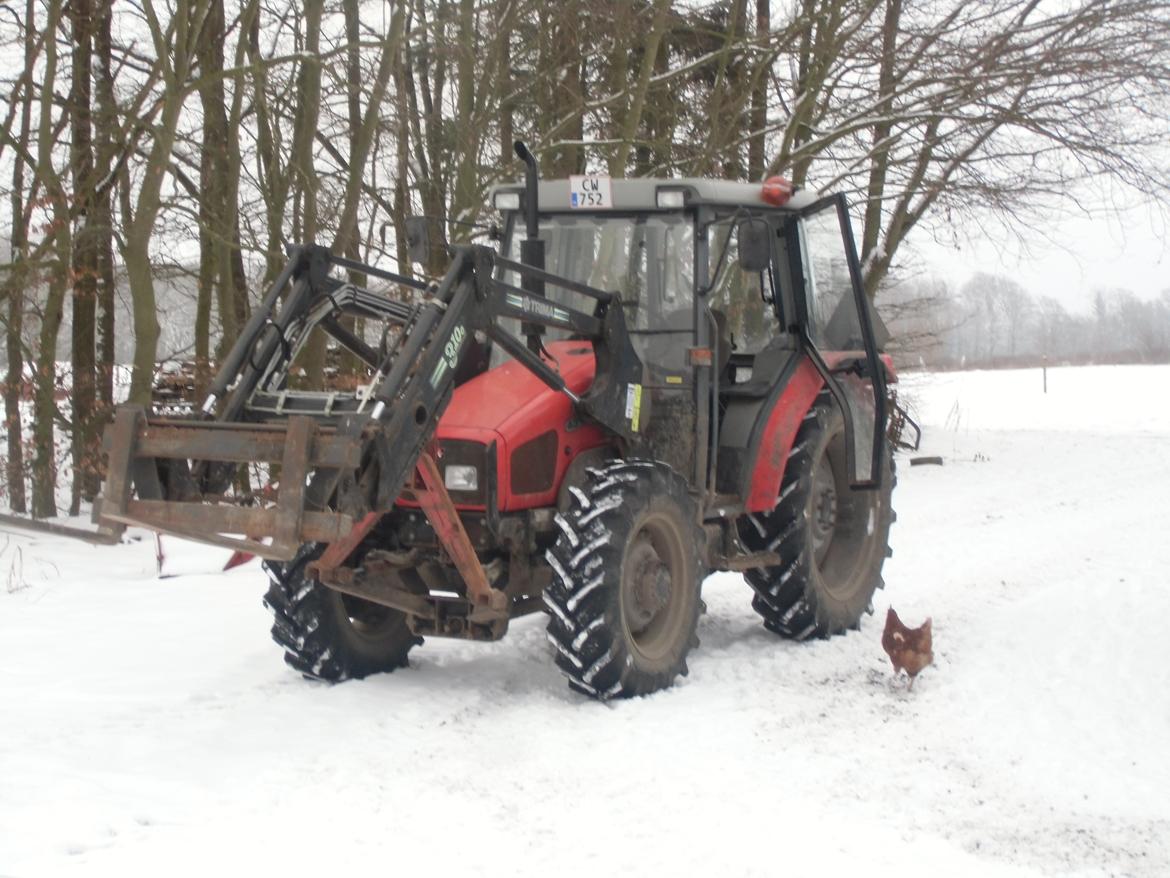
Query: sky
[{"x": 1128, "y": 249}]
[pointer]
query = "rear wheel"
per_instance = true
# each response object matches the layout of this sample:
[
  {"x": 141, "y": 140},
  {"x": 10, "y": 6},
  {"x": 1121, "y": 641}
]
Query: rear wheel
[
  {"x": 832, "y": 540},
  {"x": 624, "y": 600},
  {"x": 328, "y": 635}
]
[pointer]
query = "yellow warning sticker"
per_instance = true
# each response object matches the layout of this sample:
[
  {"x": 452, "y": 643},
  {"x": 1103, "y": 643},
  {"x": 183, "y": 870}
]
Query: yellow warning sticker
[{"x": 634, "y": 405}]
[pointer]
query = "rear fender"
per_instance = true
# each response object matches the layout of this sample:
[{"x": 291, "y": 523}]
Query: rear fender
[{"x": 772, "y": 442}]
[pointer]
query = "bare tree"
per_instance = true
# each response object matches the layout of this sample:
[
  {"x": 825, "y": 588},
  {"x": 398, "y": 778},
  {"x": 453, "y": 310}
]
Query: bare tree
[
  {"x": 83, "y": 348},
  {"x": 175, "y": 42},
  {"x": 16, "y": 274},
  {"x": 44, "y": 474},
  {"x": 252, "y": 125}
]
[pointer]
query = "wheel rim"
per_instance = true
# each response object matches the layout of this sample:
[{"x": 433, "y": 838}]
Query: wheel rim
[
  {"x": 823, "y": 517},
  {"x": 842, "y": 522},
  {"x": 367, "y": 620},
  {"x": 653, "y": 587}
]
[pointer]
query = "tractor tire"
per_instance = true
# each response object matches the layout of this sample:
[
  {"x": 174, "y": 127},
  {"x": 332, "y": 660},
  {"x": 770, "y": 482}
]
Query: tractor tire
[
  {"x": 624, "y": 602},
  {"x": 327, "y": 635},
  {"x": 832, "y": 541}
]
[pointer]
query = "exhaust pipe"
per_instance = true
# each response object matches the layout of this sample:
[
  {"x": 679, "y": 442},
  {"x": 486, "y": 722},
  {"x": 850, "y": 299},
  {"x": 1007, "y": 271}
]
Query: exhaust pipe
[
  {"x": 531, "y": 248},
  {"x": 531, "y": 176}
]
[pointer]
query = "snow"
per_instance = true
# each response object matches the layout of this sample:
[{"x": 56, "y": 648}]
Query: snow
[{"x": 148, "y": 726}]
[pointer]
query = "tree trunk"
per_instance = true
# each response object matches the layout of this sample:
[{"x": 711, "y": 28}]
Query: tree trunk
[
  {"x": 145, "y": 314},
  {"x": 633, "y": 114},
  {"x": 44, "y": 473},
  {"x": 880, "y": 158},
  {"x": 429, "y": 86},
  {"x": 402, "y": 166},
  {"x": 84, "y": 449},
  {"x": 818, "y": 26},
  {"x": 231, "y": 286},
  {"x": 466, "y": 139},
  {"x": 204, "y": 289},
  {"x": 14, "y": 287},
  {"x": 139, "y": 271},
  {"x": 349, "y": 235},
  {"x": 725, "y": 103},
  {"x": 214, "y": 282},
  {"x": 175, "y": 52},
  {"x": 13, "y": 382},
  {"x": 363, "y": 135},
  {"x": 103, "y": 215},
  {"x": 507, "y": 102},
  {"x": 312, "y": 358},
  {"x": 566, "y": 90},
  {"x": 44, "y": 481},
  {"x": 274, "y": 182},
  {"x": 758, "y": 118}
]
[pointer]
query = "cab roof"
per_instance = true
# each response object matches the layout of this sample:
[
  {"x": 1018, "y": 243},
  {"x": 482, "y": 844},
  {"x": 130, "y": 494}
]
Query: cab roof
[{"x": 641, "y": 193}]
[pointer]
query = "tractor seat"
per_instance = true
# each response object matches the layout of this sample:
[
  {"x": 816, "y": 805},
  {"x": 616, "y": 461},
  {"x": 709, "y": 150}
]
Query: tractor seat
[{"x": 767, "y": 366}]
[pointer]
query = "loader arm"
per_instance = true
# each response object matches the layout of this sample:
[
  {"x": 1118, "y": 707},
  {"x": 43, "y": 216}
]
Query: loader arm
[{"x": 343, "y": 458}]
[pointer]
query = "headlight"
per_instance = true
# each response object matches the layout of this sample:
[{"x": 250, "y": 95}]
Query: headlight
[
  {"x": 461, "y": 478},
  {"x": 507, "y": 201}
]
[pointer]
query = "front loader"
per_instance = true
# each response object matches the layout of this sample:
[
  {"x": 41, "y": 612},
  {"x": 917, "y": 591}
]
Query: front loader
[{"x": 649, "y": 381}]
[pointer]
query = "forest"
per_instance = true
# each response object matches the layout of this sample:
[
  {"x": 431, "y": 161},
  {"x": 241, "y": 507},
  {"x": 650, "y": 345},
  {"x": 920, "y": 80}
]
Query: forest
[
  {"x": 150, "y": 147},
  {"x": 993, "y": 321}
]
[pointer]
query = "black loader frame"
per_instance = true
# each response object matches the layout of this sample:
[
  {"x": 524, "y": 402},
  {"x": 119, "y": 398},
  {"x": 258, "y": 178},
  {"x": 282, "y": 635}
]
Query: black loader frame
[{"x": 345, "y": 460}]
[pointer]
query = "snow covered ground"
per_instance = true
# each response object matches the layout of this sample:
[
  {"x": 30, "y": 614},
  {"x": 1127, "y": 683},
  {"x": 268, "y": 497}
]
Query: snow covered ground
[{"x": 149, "y": 727}]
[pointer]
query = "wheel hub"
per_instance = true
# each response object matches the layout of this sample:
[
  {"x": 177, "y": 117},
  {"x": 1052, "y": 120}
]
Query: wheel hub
[
  {"x": 366, "y": 619},
  {"x": 824, "y": 507},
  {"x": 649, "y": 587}
]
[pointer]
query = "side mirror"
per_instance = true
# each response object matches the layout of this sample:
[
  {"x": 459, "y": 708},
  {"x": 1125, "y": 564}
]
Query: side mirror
[
  {"x": 418, "y": 239},
  {"x": 754, "y": 241}
]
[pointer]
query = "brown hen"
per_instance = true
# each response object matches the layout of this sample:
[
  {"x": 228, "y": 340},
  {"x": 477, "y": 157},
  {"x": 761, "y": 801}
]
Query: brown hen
[{"x": 908, "y": 648}]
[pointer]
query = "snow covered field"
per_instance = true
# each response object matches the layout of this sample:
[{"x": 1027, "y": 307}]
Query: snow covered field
[{"x": 149, "y": 727}]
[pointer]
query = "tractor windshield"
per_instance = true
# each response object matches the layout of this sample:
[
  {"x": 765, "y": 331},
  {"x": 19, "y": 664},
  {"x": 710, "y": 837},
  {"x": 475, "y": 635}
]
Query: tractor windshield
[{"x": 648, "y": 259}]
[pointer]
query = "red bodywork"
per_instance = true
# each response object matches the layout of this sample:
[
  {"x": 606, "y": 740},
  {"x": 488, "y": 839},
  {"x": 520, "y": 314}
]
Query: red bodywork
[
  {"x": 779, "y": 433},
  {"x": 783, "y": 422},
  {"x": 509, "y": 405}
]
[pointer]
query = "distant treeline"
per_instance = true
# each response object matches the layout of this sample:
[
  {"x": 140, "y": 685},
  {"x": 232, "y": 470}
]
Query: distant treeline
[{"x": 992, "y": 321}]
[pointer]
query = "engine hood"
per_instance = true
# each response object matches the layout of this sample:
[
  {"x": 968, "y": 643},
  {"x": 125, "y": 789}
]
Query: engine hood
[
  {"x": 509, "y": 395},
  {"x": 533, "y": 427}
]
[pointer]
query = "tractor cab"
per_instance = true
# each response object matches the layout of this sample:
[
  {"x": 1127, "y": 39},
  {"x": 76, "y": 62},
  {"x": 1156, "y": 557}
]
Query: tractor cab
[{"x": 729, "y": 291}]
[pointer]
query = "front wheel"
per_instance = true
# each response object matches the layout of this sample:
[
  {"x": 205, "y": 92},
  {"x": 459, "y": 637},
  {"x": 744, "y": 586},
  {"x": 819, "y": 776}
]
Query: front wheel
[
  {"x": 832, "y": 540},
  {"x": 624, "y": 602},
  {"x": 328, "y": 635}
]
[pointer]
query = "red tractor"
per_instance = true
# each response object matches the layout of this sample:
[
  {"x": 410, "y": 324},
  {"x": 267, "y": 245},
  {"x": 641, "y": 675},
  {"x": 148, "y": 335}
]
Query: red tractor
[{"x": 651, "y": 380}]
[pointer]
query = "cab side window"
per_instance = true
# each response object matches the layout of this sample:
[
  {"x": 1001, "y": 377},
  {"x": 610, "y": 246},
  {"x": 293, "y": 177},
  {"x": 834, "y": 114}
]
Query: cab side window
[
  {"x": 833, "y": 323},
  {"x": 744, "y": 298}
]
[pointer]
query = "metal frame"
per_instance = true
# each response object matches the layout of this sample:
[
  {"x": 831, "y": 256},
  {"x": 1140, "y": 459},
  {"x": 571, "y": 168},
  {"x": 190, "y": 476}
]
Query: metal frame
[
  {"x": 874, "y": 371},
  {"x": 333, "y": 475}
]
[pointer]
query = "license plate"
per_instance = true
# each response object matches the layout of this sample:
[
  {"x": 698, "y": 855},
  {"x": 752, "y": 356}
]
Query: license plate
[{"x": 590, "y": 192}]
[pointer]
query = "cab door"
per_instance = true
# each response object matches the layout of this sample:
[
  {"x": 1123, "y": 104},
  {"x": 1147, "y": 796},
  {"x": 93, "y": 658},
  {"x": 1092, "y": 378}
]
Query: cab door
[{"x": 835, "y": 327}]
